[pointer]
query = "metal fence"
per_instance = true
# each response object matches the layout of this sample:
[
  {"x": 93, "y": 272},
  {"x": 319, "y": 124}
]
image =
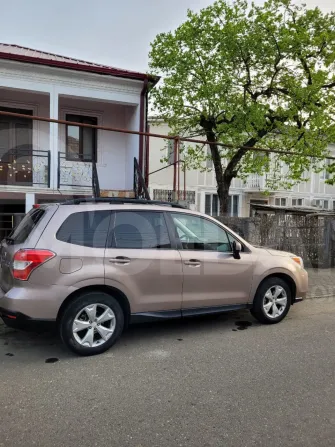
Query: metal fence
[{"x": 311, "y": 237}]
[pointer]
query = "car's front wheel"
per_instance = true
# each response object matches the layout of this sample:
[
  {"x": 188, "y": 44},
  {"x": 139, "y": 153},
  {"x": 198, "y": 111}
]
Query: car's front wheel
[
  {"x": 91, "y": 323},
  {"x": 272, "y": 301}
]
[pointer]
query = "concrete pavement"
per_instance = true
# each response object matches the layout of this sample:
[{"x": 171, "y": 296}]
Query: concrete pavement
[
  {"x": 321, "y": 282},
  {"x": 201, "y": 383}
]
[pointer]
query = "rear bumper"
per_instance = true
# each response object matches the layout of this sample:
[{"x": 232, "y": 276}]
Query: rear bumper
[
  {"x": 36, "y": 302},
  {"x": 17, "y": 320}
]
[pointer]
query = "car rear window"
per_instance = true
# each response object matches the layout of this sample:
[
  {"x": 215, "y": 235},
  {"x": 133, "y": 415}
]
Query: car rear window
[
  {"x": 87, "y": 228},
  {"x": 26, "y": 226}
]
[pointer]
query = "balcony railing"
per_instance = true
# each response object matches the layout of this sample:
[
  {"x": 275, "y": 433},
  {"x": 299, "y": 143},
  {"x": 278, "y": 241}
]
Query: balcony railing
[
  {"x": 25, "y": 167},
  {"x": 73, "y": 173},
  {"x": 254, "y": 182}
]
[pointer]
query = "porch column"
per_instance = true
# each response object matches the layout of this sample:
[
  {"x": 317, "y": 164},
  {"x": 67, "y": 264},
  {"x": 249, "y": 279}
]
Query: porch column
[
  {"x": 30, "y": 201},
  {"x": 53, "y": 139}
]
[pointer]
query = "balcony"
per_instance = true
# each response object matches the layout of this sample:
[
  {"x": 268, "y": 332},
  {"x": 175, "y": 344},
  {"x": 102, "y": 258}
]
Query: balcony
[
  {"x": 25, "y": 167},
  {"x": 254, "y": 182},
  {"x": 73, "y": 174}
]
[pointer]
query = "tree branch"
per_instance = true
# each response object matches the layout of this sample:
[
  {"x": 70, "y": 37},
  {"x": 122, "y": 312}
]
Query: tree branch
[{"x": 331, "y": 85}]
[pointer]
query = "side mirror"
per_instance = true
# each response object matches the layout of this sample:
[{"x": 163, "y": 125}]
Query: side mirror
[{"x": 237, "y": 248}]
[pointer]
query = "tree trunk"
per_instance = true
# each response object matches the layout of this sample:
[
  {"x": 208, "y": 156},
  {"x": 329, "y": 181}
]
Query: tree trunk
[
  {"x": 223, "y": 194},
  {"x": 223, "y": 178}
]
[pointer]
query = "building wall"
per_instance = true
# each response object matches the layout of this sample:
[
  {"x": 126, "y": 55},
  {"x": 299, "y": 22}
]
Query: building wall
[
  {"x": 114, "y": 150},
  {"x": 51, "y": 92}
]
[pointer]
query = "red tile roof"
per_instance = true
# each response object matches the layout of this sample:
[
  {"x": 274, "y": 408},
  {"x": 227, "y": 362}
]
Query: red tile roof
[{"x": 29, "y": 55}]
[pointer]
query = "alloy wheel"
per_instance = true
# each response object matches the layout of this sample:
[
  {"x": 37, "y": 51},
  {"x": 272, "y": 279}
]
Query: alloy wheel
[{"x": 94, "y": 325}]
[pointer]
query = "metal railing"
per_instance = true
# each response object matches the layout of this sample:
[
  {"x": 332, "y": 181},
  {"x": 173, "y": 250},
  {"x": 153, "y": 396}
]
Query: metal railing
[
  {"x": 74, "y": 173},
  {"x": 25, "y": 167},
  {"x": 254, "y": 181},
  {"x": 140, "y": 189}
]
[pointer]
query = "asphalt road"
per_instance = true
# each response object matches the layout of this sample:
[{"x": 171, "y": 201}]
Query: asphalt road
[{"x": 193, "y": 383}]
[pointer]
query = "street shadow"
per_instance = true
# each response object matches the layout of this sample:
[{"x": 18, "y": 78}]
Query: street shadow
[{"x": 47, "y": 346}]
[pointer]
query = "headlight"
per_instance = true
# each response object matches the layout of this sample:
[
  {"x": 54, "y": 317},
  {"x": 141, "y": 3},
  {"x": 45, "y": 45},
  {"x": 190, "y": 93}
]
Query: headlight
[{"x": 298, "y": 260}]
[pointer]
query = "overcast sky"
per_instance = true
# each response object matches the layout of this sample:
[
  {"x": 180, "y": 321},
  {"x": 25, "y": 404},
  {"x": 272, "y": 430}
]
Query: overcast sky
[{"x": 112, "y": 32}]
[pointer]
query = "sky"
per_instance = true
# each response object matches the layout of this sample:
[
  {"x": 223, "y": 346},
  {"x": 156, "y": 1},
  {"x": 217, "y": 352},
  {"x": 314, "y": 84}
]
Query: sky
[{"x": 112, "y": 32}]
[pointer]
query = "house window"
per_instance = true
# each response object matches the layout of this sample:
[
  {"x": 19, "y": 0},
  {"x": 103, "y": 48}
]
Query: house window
[
  {"x": 334, "y": 205},
  {"x": 81, "y": 142},
  {"x": 212, "y": 205},
  {"x": 325, "y": 173},
  {"x": 280, "y": 201},
  {"x": 297, "y": 202},
  {"x": 325, "y": 204},
  {"x": 16, "y": 148}
]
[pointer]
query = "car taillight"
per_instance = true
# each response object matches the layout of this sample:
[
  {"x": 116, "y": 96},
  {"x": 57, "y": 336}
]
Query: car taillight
[{"x": 25, "y": 261}]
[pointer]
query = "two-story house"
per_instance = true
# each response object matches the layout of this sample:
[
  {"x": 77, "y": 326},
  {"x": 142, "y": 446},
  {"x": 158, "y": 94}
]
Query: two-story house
[
  {"x": 43, "y": 160},
  {"x": 201, "y": 186}
]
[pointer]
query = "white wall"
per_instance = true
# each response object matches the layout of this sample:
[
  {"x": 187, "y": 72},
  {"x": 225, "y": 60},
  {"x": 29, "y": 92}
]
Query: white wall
[
  {"x": 115, "y": 100},
  {"x": 115, "y": 151},
  {"x": 113, "y": 148},
  {"x": 164, "y": 178}
]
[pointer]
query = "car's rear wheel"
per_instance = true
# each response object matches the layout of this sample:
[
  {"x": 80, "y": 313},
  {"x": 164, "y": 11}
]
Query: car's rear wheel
[
  {"x": 91, "y": 323},
  {"x": 272, "y": 301}
]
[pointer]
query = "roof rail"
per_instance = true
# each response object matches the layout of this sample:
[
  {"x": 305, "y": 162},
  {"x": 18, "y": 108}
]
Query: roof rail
[{"x": 121, "y": 201}]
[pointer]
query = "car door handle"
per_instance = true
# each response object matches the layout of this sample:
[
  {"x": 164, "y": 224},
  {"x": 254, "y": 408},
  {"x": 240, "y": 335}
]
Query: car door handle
[
  {"x": 121, "y": 260},
  {"x": 193, "y": 262}
]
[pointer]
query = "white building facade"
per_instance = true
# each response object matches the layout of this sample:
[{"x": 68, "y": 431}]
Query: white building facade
[
  {"x": 43, "y": 161},
  {"x": 201, "y": 186}
]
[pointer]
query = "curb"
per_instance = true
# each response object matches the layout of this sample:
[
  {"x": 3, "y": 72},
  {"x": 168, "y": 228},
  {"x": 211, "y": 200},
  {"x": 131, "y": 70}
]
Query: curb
[{"x": 316, "y": 297}]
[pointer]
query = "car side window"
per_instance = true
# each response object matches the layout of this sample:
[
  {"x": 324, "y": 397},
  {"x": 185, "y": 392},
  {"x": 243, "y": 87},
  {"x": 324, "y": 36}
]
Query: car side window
[
  {"x": 197, "y": 233},
  {"x": 141, "y": 230},
  {"x": 88, "y": 229}
]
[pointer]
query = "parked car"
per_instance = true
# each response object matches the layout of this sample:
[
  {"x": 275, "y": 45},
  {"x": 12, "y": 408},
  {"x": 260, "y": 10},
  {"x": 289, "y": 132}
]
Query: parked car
[{"x": 92, "y": 267}]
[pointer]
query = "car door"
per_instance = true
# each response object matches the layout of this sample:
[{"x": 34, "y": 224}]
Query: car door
[
  {"x": 212, "y": 276},
  {"x": 141, "y": 260}
]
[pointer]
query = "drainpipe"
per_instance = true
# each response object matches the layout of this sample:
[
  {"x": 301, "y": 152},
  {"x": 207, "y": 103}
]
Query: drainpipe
[
  {"x": 147, "y": 142},
  {"x": 142, "y": 113}
]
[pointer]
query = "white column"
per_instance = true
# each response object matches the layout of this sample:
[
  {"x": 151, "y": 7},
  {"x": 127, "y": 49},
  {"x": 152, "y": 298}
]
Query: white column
[
  {"x": 53, "y": 138},
  {"x": 30, "y": 201},
  {"x": 132, "y": 149}
]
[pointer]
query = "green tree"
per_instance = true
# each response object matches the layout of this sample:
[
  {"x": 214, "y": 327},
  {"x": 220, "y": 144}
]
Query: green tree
[{"x": 250, "y": 76}]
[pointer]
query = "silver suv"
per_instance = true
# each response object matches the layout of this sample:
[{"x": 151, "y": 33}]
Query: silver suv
[{"x": 92, "y": 267}]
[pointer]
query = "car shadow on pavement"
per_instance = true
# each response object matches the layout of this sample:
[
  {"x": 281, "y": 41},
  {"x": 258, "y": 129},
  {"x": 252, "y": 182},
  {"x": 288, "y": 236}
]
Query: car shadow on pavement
[
  {"x": 48, "y": 346},
  {"x": 187, "y": 327}
]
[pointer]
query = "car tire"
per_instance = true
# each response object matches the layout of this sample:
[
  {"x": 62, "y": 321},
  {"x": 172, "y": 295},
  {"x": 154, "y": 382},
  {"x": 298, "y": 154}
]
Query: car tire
[
  {"x": 269, "y": 306},
  {"x": 86, "y": 335}
]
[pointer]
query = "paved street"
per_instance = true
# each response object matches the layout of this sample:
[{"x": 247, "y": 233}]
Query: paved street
[
  {"x": 202, "y": 382},
  {"x": 321, "y": 282}
]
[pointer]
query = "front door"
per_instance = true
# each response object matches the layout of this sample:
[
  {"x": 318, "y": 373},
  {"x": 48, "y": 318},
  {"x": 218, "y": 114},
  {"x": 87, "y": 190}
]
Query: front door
[
  {"x": 141, "y": 261},
  {"x": 16, "y": 143},
  {"x": 212, "y": 276}
]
